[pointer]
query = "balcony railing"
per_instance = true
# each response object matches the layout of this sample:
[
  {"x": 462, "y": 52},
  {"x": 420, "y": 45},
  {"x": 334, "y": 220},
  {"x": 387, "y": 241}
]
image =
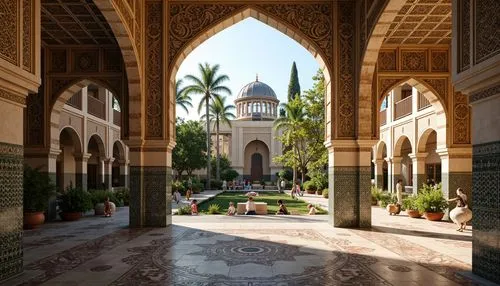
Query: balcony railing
[
  {"x": 117, "y": 117},
  {"x": 96, "y": 107},
  {"x": 402, "y": 108},
  {"x": 383, "y": 117},
  {"x": 76, "y": 100},
  {"x": 423, "y": 102}
]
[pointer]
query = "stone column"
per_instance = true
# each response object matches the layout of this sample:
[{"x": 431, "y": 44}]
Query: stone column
[
  {"x": 396, "y": 172},
  {"x": 81, "y": 170},
  {"x": 108, "y": 172},
  {"x": 349, "y": 178},
  {"x": 456, "y": 172},
  {"x": 124, "y": 173},
  {"x": 150, "y": 185},
  {"x": 418, "y": 166},
  {"x": 379, "y": 173},
  {"x": 390, "y": 176}
]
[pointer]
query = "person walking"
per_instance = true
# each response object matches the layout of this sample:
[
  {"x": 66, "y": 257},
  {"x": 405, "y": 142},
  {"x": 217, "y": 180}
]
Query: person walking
[
  {"x": 188, "y": 194},
  {"x": 177, "y": 196},
  {"x": 399, "y": 191},
  {"x": 283, "y": 185}
]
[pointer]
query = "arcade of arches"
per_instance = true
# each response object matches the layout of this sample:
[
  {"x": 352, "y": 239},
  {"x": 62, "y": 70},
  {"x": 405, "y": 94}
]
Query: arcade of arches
[{"x": 449, "y": 51}]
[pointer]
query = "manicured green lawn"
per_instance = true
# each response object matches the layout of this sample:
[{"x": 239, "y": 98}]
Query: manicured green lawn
[{"x": 271, "y": 198}]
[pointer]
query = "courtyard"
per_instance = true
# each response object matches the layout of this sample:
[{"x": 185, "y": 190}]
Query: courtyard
[{"x": 247, "y": 250}]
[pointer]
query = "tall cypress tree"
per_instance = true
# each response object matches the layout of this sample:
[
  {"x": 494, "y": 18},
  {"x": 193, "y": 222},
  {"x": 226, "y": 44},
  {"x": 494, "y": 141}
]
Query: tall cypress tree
[{"x": 293, "y": 85}]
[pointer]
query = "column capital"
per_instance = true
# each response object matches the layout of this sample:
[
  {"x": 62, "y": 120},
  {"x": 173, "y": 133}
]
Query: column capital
[
  {"x": 418, "y": 156},
  {"x": 82, "y": 157},
  {"x": 53, "y": 153},
  {"x": 350, "y": 145},
  {"x": 109, "y": 160},
  {"x": 450, "y": 153}
]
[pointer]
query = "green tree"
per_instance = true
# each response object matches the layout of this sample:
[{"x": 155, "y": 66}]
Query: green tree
[
  {"x": 293, "y": 85},
  {"x": 224, "y": 163},
  {"x": 182, "y": 99},
  {"x": 190, "y": 151},
  {"x": 290, "y": 125},
  {"x": 209, "y": 85},
  {"x": 219, "y": 113},
  {"x": 303, "y": 131}
]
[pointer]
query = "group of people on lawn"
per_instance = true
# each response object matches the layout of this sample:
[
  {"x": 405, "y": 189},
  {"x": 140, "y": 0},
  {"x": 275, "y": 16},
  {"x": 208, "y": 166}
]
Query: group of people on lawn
[{"x": 250, "y": 206}]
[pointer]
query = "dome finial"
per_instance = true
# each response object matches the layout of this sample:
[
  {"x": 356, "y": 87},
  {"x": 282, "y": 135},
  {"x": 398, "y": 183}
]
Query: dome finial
[{"x": 256, "y": 77}]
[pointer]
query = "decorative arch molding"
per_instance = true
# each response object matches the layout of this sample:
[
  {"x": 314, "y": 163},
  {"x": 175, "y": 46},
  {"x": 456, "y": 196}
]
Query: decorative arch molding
[
  {"x": 399, "y": 145},
  {"x": 100, "y": 144},
  {"x": 257, "y": 140},
  {"x": 380, "y": 150},
  {"x": 121, "y": 149},
  {"x": 310, "y": 24},
  {"x": 423, "y": 138},
  {"x": 75, "y": 137}
]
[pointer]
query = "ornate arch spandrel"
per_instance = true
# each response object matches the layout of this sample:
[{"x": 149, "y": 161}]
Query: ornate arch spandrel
[{"x": 312, "y": 21}]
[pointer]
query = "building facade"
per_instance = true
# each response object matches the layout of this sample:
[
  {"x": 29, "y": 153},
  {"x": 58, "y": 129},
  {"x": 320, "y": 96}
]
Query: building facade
[{"x": 250, "y": 142}]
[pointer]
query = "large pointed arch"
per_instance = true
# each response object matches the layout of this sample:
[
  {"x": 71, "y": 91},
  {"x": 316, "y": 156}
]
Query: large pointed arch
[{"x": 315, "y": 34}]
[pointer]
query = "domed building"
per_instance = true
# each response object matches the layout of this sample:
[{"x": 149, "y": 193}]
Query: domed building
[{"x": 250, "y": 143}]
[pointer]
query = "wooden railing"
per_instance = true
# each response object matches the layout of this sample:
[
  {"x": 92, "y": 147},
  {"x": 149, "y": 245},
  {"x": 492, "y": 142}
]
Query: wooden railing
[
  {"x": 402, "y": 108},
  {"x": 117, "y": 117},
  {"x": 76, "y": 100},
  {"x": 383, "y": 117},
  {"x": 423, "y": 102},
  {"x": 96, "y": 107}
]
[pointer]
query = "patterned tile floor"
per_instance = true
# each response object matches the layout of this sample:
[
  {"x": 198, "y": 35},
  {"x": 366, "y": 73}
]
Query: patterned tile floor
[{"x": 247, "y": 251}]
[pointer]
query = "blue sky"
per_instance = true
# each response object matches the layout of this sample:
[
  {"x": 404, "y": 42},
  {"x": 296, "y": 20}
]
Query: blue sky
[{"x": 248, "y": 48}]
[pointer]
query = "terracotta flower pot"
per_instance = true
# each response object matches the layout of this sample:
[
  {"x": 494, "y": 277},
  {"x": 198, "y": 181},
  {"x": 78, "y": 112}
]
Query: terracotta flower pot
[
  {"x": 433, "y": 216},
  {"x": 393, "y": 209},
  {"x": 413, "y": 213},
  {"x": 33, "y": 219},
  {"x": 71, "y": 216}
]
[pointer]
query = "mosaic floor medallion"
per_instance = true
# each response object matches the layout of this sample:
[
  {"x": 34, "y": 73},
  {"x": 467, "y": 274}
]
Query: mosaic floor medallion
[{"x": 240, "y": 257}]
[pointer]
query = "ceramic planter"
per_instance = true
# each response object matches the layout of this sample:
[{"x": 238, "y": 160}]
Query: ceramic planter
[
  {"x": 413, "y": 213},
  {"x": 72, "y": 216},
  {"x": 433, "y": 216},
  {"x": 33, "y": 219}
]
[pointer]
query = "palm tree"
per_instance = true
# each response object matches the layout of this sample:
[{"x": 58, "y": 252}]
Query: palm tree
[
  {"x": 219, "y": 113},
  {"x": 209, "y": 85},
  {"x": 290, "y": 122},
  {"x": 182, "y": 99}
]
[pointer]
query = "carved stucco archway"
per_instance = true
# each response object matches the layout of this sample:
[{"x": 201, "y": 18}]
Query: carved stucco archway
[
  {"x": 438, "y": 104},
  {"x": 315, "y": 34}
]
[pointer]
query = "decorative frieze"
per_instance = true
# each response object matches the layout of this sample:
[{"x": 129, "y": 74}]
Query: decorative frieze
[
  {"x": 487, "y": 34},
  {"x": 154, "y": 70},
  {"x": 27, "y": 34},
  {"x": 345, "y": 106},
  {"x": 485, "y": 93},
  {"x": 9, "y": 33},
  {"x": 414, "y": 60},
  {"x": 461, "y": 119}
]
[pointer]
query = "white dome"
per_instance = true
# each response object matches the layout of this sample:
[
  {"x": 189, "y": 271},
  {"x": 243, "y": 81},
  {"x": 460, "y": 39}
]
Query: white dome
[{"x": 256, "y": 89}]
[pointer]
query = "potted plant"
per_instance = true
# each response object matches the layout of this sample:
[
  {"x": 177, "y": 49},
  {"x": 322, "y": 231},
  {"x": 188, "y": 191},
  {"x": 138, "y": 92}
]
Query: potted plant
[
  {"x": 430, "y": 201},
  {"x": 376, "y": 193},
  {"x": 409, "y": 204},
  {"x": 73, "y": 202},
  {"x": 37, "y": 190},
  {"x": 310, "y": 187}
]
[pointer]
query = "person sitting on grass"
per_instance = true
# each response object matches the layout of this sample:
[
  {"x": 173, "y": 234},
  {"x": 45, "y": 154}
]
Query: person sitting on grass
[
  {"x": 194, "y": 207},
  {"x": 312, "y": 209},
  {"x": 231, "y": 210},
  {"x": 250, "y": 207},
  {"x": 282, "y": 208}
]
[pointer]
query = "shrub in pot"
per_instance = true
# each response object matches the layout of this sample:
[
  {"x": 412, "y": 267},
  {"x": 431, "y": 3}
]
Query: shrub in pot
[
  {"x": 384, "y": 199},
  {"x": 325, "y": 193},
  {"x": 410, "y": 206},
  {"x": 73, "y": 202},
  {"x": 122, "y": 195},
  {"x": 310, "y": 187},
  {"x": 430, "y": 201},
  {"x": 376, "y": 194},
  {"x": 37, "y": 190}
]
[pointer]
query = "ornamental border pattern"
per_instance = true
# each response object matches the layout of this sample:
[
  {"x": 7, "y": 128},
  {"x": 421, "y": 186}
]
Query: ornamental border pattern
[
  {"x": 12, "y": 97},
  {"x": 485, "y": 93}
]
